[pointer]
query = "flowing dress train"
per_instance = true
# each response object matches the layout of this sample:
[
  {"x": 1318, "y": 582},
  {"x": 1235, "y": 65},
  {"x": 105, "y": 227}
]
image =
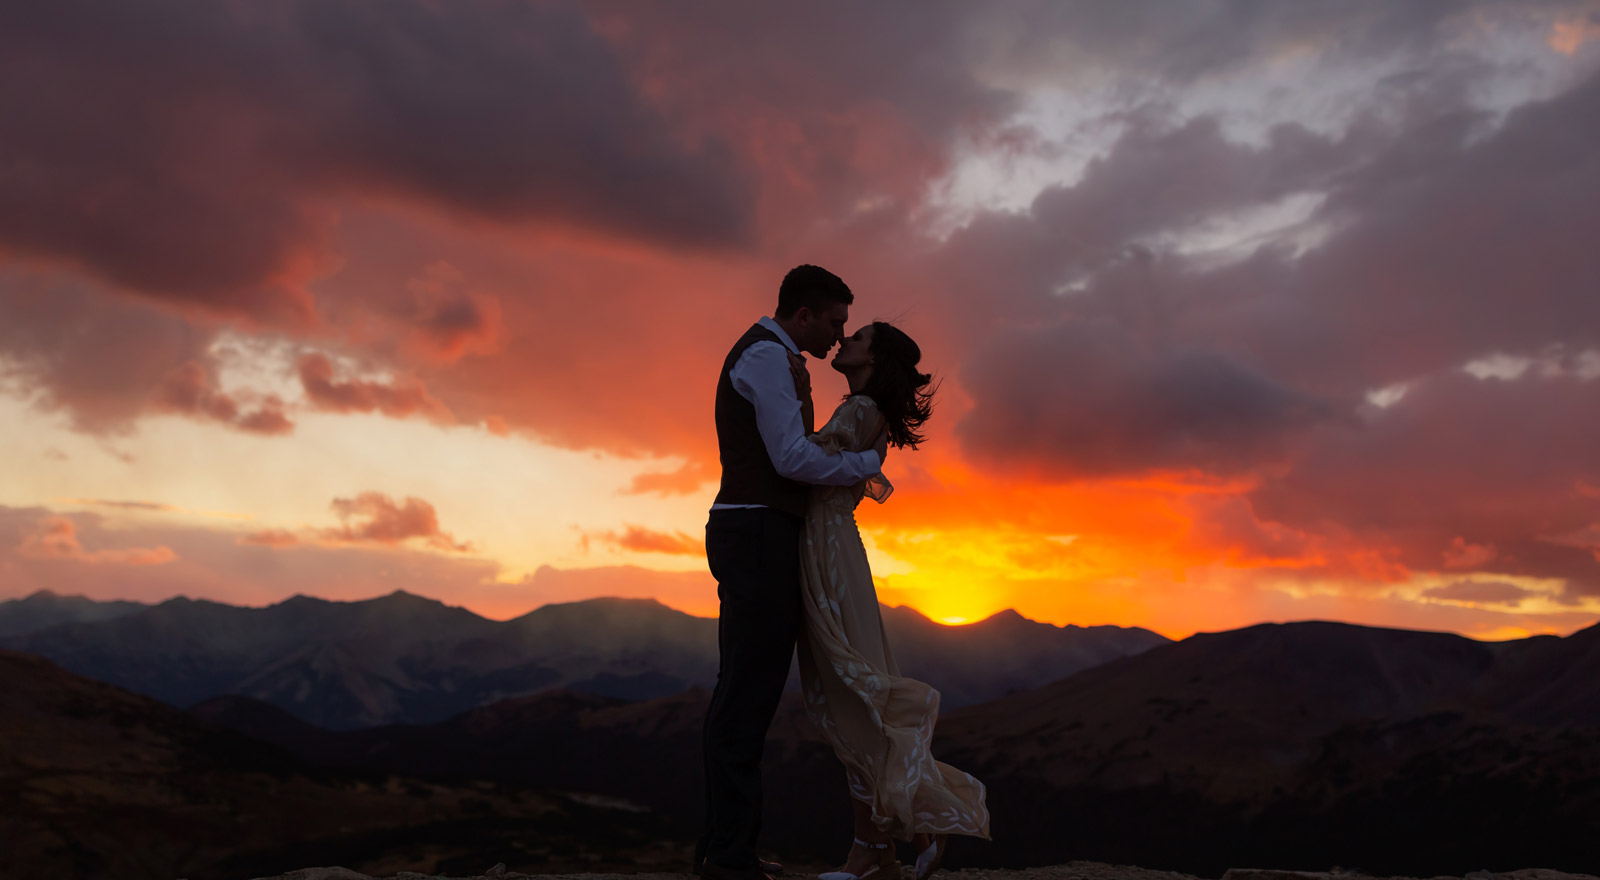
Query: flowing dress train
[{"x": 879, "y": 722}]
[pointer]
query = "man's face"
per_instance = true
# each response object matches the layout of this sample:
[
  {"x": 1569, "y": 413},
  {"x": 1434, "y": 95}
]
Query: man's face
[{"x": 819, "y": 330}]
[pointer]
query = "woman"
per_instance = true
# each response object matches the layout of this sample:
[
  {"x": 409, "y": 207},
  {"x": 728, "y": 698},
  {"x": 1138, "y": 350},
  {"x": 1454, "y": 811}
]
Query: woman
[{"x": 879, "y": 722}]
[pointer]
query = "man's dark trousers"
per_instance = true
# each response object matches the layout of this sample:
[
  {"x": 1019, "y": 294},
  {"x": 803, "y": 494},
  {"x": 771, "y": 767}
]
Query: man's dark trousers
[{"x": 755, "y": 556}]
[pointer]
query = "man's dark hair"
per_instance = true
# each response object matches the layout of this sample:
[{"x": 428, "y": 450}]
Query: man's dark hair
[{"x": 812, "y": 287}]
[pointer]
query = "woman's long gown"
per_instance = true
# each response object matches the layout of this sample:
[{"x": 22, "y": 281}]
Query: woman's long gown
[{"x": 879, "y": 722}]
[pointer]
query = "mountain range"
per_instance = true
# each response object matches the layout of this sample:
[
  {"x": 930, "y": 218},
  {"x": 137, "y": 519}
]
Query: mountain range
[
  {"x": 45, "y": 609},
  {"x": 1300, "y": 745},
  {"x": 403, "y": 658}
]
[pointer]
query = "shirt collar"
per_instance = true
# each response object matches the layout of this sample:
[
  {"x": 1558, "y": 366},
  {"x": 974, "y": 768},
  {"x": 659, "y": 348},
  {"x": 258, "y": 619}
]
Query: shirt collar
[{"x": 778, "y": 331}]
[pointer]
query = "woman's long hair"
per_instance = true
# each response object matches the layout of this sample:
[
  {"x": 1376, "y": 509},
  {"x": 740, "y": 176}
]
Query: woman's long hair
[{"x": 901, "y": 393}]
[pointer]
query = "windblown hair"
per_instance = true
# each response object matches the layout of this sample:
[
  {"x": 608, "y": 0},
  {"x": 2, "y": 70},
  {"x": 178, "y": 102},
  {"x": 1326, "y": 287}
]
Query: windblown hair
[
  {"x": 811, "y": 287},
  {"x": 899, "y": 390}
]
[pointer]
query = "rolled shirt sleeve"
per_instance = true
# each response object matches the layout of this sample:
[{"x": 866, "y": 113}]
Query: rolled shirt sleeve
[{"x": 761, "y": 376}]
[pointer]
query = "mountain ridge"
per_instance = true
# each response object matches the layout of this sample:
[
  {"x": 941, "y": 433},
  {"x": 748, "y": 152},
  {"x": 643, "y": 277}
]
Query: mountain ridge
[
  {"x": 1301, "y": 744},
  {"x": 408, "y": 658}
]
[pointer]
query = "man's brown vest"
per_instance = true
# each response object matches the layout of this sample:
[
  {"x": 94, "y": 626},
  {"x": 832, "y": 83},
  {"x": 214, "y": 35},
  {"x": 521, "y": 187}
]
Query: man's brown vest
[{"x": 748, "y": 476}]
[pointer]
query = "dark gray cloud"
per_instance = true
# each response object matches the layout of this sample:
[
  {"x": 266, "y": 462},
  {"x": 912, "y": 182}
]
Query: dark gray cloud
[
  {"x": 1492, "y": 463},
  {"x": 1444, "y": 235},
  {"x": 98, "y": 358},
  {"x": 1087, "y": 399},
  {"x": 105, "y": 361},
  {"x": 188, "y": 151},
  {"x": 1444, "y": 240},
  {"x": 1180, "y": 41}
]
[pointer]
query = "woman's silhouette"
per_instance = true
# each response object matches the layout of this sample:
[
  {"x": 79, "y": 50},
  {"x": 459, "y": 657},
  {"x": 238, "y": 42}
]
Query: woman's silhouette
[{"x": 879, "y": 722}]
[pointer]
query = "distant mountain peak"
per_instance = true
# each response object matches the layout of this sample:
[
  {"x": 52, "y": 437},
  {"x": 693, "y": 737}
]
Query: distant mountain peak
[
  {"x": 1007, "y": 615},
  {"x": 401, "y": 597},
  {"x": 604, "y": 604},
  {"x": 627, "y": 601},
  {"x": 46, "y": 594},
  {"x": 402, "y": 594}
]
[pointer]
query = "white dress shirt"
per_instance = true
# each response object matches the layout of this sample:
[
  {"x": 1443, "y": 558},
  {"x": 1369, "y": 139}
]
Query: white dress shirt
[{"x": 761, "y": 376}]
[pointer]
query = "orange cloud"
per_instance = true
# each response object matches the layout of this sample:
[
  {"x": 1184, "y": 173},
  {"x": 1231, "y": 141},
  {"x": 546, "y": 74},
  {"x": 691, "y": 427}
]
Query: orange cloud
[
  {"x": 682, "y": 481},
  {"x": 271, "y": 538},
  {"x": 369, "y": 518},
  {"x": 1463, "y": 554},
  {"x": 642, "y": 540},
  {"x": 375, "y": 518},
  {"x": 56, "y": 538},
  {"x": 190, "y": 390},
  {"x": 1586, "y": 537},
  {"x": 1569, "y": 35},
  {"x": 152, "y": 507},
  {"x": 447, "y": 321},
  {"x": 405, "y": 397}
]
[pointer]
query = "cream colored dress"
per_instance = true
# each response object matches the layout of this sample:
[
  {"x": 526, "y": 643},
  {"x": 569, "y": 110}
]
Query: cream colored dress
[{"x": 879, "y": 723}]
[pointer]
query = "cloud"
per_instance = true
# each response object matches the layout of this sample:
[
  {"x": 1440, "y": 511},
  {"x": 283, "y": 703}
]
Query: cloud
[
  {"x": 202, "y": 144},
  {"x": 638, "y": 539},
  {"x": 1433, "y": 230},
  {"x": 682, "y": 481},
  {"x": 368, "y": 518},
  {"x": 1567, "y": 36},
  {"x": 191, "y": 391},
  {"x": 399, "y": 399},
  {"x": 1085, "y": 399},
  {"x": 1586, "y": 537},
  {"x": 151, "y": 507},
  {"x": 1417, "y": 476},
  {"x": 106, "y": 362},
  {"x": 56, "y": 537},
  {"x": 448, "y": 321},
  {"x": 1480, "y": 593},
  {"x": 1463, "y": 554},
  {"x": 373, "y": 517},
  {"x": 271, "y": 538},
  {"x": 78, "y": 350}
]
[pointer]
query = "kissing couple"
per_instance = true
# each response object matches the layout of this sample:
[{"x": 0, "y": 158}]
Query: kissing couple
[{"x": 792, "y": 574}]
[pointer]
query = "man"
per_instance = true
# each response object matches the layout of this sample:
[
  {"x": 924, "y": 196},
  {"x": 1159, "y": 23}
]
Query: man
[{"x": 753, "y": 545}]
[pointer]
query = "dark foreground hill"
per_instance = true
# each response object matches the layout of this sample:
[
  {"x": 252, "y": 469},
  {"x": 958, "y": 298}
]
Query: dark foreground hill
[
  {"x": 1069, "y": 871},
  {"x": 406, "y": 659},
  {"x": 96, "y": 782},
  {"x": 1300, "y": 746}
]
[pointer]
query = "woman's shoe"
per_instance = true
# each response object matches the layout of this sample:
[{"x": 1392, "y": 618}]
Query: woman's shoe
[
  {"x": 887, "y": 867},
  {"x": 928, "y": 860}
]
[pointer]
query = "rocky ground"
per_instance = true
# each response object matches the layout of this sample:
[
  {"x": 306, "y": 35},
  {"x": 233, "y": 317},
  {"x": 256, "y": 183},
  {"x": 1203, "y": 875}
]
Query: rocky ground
[{"x": 1069, "y": 871}]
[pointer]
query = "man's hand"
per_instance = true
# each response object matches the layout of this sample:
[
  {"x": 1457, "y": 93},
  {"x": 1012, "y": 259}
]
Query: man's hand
[
  {"x": 802, "y": 376},
  {"x": 882, "y": 445},
  {"x": 802, "y": 390}
]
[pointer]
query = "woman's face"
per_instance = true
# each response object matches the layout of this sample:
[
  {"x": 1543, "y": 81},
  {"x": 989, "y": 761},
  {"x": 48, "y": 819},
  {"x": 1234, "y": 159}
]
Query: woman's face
[{"x": 855, "y": 352}]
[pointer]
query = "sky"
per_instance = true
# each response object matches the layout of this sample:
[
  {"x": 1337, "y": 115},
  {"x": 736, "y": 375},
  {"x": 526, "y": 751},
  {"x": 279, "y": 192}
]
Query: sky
[{"x": 1240, "y": 312}]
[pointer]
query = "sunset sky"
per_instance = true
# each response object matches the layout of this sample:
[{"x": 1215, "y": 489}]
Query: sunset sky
[{"x": 1242, "y": 312}]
